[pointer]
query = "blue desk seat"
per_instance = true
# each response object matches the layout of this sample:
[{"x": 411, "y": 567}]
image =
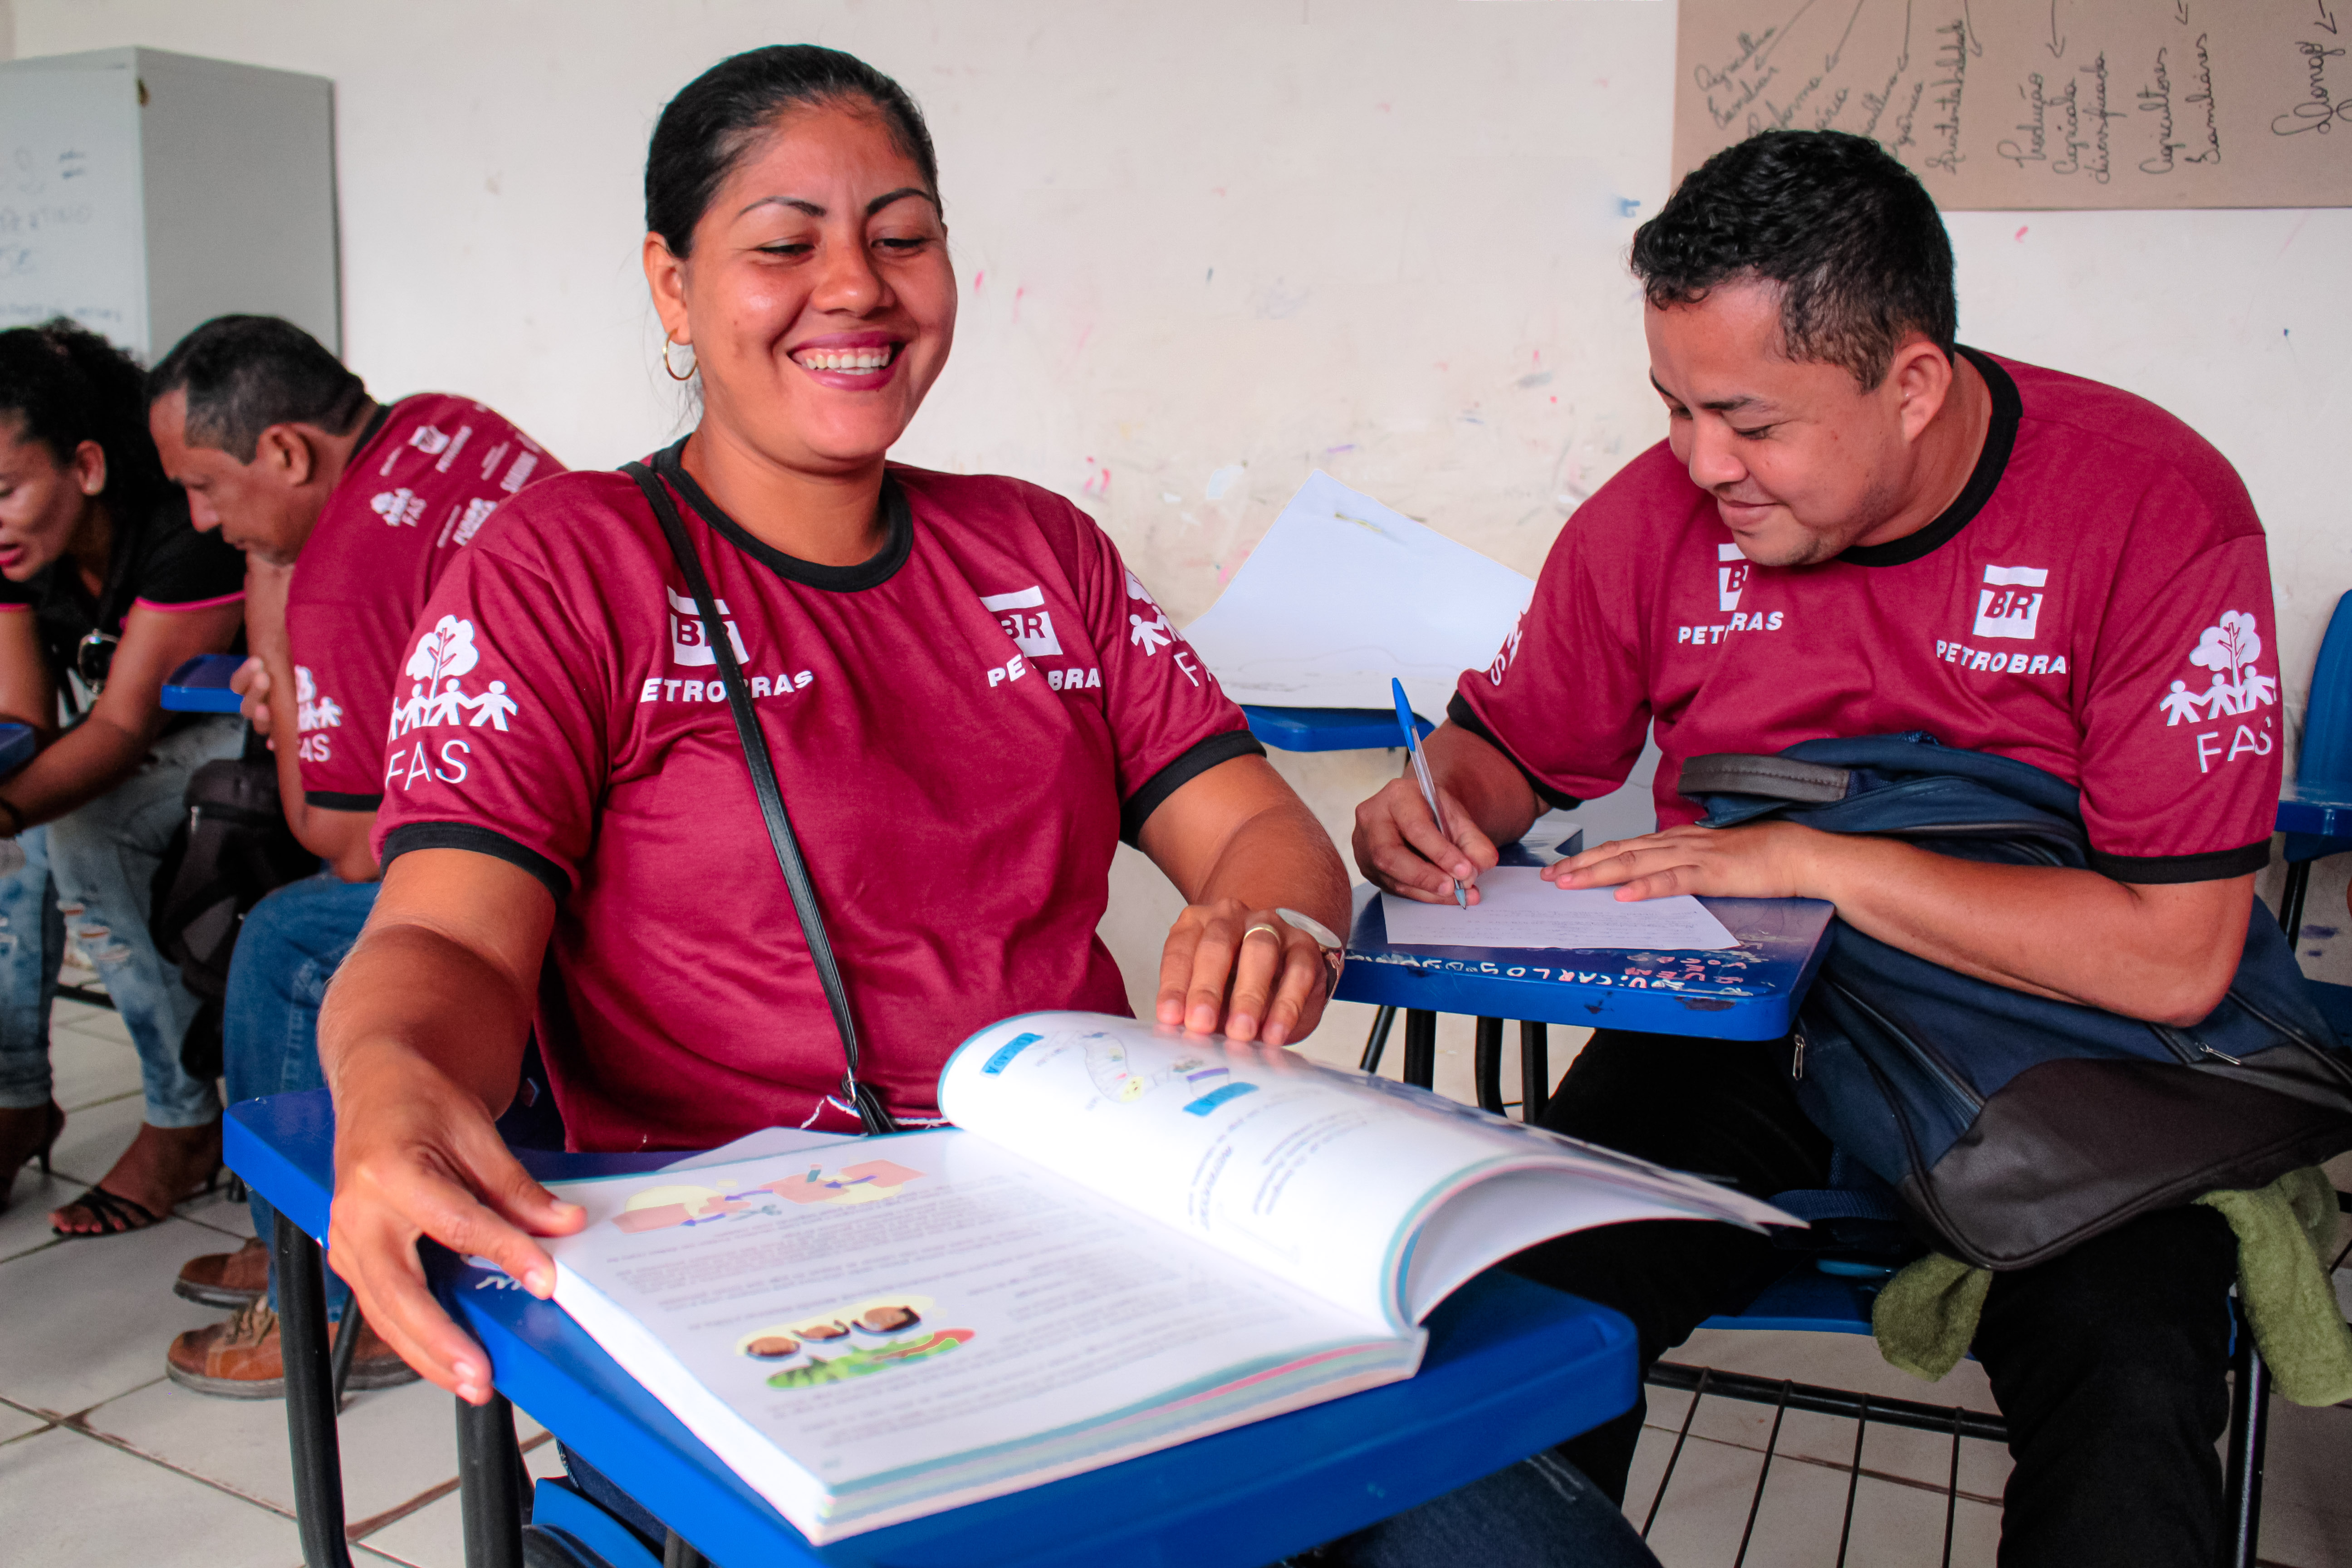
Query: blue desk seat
[{"x": 1511, "y": 1368}]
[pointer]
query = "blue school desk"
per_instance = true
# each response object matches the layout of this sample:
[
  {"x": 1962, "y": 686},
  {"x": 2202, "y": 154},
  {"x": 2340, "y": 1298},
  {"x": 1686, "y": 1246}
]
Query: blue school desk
[
  {"x": 1511, "y": 1369},
  {"x": 17, "y": 744},
  {"x": 201, "y": 685},
  {"x": 1329, "y": 729},
  {"x": 1745, "y": 993}
]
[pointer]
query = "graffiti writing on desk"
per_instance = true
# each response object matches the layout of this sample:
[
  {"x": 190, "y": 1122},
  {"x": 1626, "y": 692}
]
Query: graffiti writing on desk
[{"x": 1630, "y": 979}]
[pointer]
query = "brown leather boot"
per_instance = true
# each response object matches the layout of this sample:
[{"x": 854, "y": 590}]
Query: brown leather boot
[
  {"x": 242, "y": 1359},
  {"x": 226, "y": 1278}
]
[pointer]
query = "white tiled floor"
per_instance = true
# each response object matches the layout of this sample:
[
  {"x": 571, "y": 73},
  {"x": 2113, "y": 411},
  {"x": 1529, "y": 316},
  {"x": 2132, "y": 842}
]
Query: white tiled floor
[{"x": 103, "y": 1461}]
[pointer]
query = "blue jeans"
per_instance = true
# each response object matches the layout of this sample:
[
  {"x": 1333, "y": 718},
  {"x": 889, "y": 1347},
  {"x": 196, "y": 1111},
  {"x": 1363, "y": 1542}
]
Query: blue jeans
[
  {"x": 1539, "y": 1513},
  {"x": 90, "y": 871},
  {"x": 291, "y": 946}
]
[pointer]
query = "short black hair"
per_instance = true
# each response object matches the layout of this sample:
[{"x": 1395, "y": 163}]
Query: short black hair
[
  {"x": 245, "y": 373},
  {"x": 1849, "y": 234},
  {"x": 718, "y": 115},
  {"x": 65, "y": 385}
]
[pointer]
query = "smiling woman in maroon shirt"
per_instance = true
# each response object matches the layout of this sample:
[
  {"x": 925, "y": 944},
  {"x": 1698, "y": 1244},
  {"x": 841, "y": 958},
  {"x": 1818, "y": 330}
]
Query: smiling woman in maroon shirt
[{"x": 968, "y": 699}]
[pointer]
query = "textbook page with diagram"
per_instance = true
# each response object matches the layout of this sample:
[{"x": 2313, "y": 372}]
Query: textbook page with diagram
[{"x": 1129, "y": 1238}]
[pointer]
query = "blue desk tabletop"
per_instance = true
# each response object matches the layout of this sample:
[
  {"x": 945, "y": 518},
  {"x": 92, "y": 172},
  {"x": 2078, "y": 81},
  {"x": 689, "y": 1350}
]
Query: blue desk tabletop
[
  {"x": 1329, "y": 729},
  {"x": 1511, "y": 1368},
  {"x": 201, "y": 685},
  {"x": 1745, "y": 993},
  {"x": 2323, "y": 810}
]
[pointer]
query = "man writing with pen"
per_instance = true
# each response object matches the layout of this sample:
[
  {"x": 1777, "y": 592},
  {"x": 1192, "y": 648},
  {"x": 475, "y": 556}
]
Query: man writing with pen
[{"x": 1857, "y": 527}]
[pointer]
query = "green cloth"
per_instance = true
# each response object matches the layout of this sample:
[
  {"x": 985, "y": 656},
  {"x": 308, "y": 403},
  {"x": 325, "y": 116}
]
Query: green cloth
[{"x": 1925, "y": 1316}]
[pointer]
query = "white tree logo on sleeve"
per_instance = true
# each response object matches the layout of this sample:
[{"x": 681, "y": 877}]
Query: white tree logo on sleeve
[
  {"x": 313, "y": 709},
  {"x": 439, "y": 699},
  {"x": 2229, "y": 648}
]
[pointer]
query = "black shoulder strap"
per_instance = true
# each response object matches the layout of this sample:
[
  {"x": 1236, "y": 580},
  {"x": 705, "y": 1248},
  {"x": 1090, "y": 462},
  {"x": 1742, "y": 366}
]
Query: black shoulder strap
[{"x": 870, "y": 1111}]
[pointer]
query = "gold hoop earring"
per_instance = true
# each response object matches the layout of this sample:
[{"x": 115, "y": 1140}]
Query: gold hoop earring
[{"x": 669, "y": 343}]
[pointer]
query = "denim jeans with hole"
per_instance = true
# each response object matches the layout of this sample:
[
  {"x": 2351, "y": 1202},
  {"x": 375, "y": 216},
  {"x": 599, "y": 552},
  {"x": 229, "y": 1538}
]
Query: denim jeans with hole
[
  {"x": 89, "y": 872},
  {"x": 292, "y": 944}
]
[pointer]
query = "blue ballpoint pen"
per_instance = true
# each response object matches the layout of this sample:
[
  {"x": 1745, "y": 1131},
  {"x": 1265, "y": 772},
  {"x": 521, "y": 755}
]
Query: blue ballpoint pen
[{"x": 1421, "y": 771}]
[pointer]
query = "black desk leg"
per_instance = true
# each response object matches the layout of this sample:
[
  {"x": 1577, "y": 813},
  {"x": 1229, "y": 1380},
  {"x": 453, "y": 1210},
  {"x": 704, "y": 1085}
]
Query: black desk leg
[
  {"x": 1378, "y": 1042},
  {"x": 1535, "y": 1072},
  {"x": 2250, "y": 1402},
  {"x": 676, "y": 1553},
  {"x": 489, "y": 1484},
  {"x": 309, "y": 1398},
  {"x": 1420, "y": 1046},
  {"x": 1487, "y": 1065},
  {"x": 2291, "y": 897}
]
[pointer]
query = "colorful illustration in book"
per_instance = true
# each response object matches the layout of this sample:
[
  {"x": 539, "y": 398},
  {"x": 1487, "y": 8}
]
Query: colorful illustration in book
[
  {"x": 1118, "y": 1081},
  {"x": 856, "y": 1340},
  {"x": 682, "y": 1203}
]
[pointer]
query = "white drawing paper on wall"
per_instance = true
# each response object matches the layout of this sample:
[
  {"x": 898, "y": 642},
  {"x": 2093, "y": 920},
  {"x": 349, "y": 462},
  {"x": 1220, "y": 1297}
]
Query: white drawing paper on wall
[{"x": 1343, "y": 594}]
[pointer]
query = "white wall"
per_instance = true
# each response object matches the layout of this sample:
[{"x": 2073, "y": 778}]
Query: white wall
[{"x": 1207, "y": 245}]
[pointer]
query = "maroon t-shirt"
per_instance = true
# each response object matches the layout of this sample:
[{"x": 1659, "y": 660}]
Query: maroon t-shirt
[
  {"x": 419, "y": 485},
  {"x": 963, "y": 728},
  {"x": 2097, "y": 603}
]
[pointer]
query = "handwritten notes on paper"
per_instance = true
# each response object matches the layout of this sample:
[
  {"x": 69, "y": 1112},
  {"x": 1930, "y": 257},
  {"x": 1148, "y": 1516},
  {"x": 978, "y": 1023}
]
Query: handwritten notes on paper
[
  {"x": 2040, "y": 103},
  {"x": 1517, "y": 908}
]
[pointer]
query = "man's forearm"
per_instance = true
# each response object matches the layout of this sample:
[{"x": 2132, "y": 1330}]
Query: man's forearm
[
  {"x": 1483, "y": 781},
  {"x": 2163, "y": 953}
]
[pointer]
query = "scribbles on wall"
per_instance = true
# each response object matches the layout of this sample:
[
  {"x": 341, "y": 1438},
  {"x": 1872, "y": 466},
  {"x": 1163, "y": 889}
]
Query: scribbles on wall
[
  {"x": 69, "y": 214},
  {"x": 2040, "y": 103}
]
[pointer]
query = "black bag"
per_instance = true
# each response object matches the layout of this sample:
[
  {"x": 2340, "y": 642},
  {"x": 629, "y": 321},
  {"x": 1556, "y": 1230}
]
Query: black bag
[
  {"x": 232, "y": 851},
  {"x": 2017, "y": 1126},
  {"x": 871, "y": 1114}
]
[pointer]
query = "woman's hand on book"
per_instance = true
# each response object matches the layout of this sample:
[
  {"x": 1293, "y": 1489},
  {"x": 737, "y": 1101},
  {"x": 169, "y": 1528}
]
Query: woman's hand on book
[
  {"x": 1248, "y": 973},
  {"x": 416, "y": 1155}
]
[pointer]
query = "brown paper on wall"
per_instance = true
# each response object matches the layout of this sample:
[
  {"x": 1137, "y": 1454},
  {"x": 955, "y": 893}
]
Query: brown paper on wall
[{"x": 2040, "y": 103}]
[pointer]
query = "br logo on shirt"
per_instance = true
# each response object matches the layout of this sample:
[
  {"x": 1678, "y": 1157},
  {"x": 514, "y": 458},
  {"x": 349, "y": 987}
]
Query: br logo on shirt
[
  {"x": 1033, "y": 635},
  {"x": 1730, "y": 576},
  {"x": 400, "y": 508},
  {"x": 2006, "y": 606},
  {"x": 687, "y": 643},
  {"x": 2229, "y": 648}
]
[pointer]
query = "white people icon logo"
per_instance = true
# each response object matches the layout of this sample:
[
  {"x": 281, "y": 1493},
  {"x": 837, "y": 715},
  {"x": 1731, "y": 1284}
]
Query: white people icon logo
[
  {"x": 439, "y": 699},
  {"x": 1155, "y": 633},
  {"x": 313, "y": 711},
  {"x": 2229, "y": 648}
]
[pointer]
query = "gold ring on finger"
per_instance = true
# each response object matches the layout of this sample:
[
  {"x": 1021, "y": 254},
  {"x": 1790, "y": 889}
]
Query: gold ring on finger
[{"x": 1266, "y": 926}]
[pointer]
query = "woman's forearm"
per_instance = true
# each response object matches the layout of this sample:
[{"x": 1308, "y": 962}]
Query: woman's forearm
[{"x": 409, "y": 995}]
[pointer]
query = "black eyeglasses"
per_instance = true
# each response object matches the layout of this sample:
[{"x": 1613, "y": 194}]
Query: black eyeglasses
[{"x": 94, "y": 660}]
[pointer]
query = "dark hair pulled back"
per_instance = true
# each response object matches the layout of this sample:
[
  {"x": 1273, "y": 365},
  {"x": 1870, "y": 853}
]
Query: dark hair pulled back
[
  {"x": 65, "y": 385},
  {"x": 715, "y": 120},
  {"x": 1849, "y": 234}
]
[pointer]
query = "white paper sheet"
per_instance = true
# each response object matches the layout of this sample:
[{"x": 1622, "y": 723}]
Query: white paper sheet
[
  {"x": 1342, "y": 595},
  {"x": 1517, "y": 908}
]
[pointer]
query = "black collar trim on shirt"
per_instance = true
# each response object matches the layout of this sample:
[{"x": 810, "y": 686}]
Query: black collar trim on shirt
[
  {"x": 870, "y": 573},
  {"x": 2000, "y": 439},
  {"x": 376, "y": 422}
]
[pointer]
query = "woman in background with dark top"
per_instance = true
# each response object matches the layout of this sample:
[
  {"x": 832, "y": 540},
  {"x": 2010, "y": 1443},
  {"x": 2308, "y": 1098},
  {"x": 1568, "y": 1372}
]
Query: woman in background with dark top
[{"x": 106, "y": 590}]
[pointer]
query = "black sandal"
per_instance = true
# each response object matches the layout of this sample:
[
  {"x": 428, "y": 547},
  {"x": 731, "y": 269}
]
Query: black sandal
[{"x": 120, "y": 1216}]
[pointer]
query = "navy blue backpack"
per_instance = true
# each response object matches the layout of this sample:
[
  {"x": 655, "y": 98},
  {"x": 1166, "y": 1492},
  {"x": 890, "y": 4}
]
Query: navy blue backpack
[{"x": 2015, "y": 1126}]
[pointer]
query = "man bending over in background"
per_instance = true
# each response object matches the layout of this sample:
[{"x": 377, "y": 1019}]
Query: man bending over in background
[{"x": 280, "y": 448}]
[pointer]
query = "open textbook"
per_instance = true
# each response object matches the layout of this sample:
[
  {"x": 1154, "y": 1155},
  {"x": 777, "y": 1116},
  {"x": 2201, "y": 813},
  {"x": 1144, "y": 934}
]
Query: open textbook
[{"x": 1130, "y": 1237}]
